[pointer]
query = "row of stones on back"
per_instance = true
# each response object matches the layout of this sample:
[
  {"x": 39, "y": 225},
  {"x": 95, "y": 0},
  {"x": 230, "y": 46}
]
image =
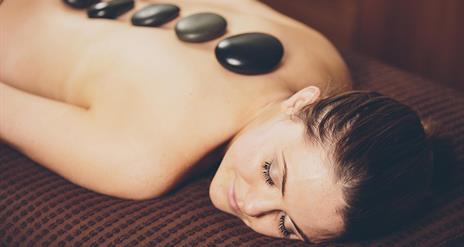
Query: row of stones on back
[{"x": 247, "y": 53}]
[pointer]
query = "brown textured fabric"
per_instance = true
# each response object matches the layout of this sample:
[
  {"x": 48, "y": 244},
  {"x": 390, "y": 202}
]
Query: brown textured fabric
[{"x": 37, "y": 207}]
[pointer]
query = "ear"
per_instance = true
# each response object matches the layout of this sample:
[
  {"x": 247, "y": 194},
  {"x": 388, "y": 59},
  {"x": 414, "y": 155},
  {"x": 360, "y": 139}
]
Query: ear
[{"x": 297, "y": 101}]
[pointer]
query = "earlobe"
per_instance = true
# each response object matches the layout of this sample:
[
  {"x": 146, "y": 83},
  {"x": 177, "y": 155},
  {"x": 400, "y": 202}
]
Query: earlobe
[{"x": 297, "y": 101}]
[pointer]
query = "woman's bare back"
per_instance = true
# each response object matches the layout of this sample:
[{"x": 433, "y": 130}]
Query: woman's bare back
[{"x": 173, "y": 97}]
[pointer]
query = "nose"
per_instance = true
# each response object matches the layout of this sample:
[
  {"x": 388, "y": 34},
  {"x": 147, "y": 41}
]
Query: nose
[{"x": 257, "y": 202}]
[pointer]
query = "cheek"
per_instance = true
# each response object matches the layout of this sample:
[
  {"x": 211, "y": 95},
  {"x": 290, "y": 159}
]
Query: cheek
[
  {"x": 237, "y": 162},
  {"x": 245, "y": 155},
  {"x": 266, "y": 225},
  {"x": 243, "y": 159}
]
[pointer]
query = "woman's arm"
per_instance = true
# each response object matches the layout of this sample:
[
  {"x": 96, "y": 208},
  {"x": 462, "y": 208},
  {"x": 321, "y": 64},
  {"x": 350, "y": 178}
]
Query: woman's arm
[{"x": 67, "y": 140}]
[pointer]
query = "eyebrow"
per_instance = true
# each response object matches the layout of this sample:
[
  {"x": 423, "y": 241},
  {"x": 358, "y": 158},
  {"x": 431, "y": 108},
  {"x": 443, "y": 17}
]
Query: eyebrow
[{"x": 284, "y": 182}]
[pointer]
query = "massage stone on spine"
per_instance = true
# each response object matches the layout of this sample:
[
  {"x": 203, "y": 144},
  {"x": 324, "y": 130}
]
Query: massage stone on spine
[
  {"x": 200, "y": 27},
  {"x": 81, "y": 4},
  {"x": 251, "y": 53},
  {"x": 110, "y": 10},
  {"x": 155, "y": 15}
]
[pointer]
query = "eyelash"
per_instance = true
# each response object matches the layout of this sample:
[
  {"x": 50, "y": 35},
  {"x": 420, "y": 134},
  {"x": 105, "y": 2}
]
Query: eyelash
[
  {"x": 282, "y": 227},
  {"x": 267, "y": 176},
  {"x": 269, "y": 181}
]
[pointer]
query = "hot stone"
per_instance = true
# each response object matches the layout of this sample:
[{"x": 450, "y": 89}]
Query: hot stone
[
  {"x": 250, "y": 53},
  {"x": 200, "y": 27},
  {"x": 110, "y": 10},
  {"x": 80, "y": 4},
  {"x": 155, "y": 15}
]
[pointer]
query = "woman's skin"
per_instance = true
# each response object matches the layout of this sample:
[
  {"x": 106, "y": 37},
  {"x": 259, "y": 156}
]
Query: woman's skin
[
  {"x": 304, "y": 192},
  {"x": 132, "y": 111}
]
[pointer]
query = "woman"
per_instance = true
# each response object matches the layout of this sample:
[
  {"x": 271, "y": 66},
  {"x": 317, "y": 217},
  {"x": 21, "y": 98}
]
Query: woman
[{"x": 132, "y": 112}]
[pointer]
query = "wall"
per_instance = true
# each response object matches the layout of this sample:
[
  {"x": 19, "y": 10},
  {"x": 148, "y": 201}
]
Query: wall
[{"x": 425, "y": 37}]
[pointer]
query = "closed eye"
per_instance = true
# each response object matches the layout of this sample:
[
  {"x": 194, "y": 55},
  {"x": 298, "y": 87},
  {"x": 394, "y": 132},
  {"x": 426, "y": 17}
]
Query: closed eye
[{"x": 267, "y": 177}]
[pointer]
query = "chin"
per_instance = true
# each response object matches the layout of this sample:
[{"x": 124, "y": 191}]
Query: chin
[
  {"x": 214, "y": 195},
  {"x": 219, "y": 187},
  {"x": 223, "y": 178}
]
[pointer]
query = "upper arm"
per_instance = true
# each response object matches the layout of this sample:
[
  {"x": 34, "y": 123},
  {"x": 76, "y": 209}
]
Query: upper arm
[{"x": 67, "y": 140}]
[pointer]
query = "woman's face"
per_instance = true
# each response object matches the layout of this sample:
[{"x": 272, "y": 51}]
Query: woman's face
[{"x": 278, "y": 184}]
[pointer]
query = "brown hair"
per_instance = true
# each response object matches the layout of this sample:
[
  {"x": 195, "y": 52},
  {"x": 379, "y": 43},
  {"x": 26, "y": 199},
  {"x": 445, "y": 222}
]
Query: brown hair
[{"x": 381, "y": 155}]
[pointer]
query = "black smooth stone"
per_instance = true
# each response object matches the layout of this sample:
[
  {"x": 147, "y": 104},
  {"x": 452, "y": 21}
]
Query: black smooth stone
[
  {"x": 80, "y": 4},
  {"x": 200, "y": 27},
  {"x": 250, "y": 53},
  {"x": 155, "y": 15},
  {"x": 110, "y": 10}
]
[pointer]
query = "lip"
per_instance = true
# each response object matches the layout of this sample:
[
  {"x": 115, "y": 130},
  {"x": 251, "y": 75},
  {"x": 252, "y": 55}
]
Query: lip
[{"x": 231, "y": 198}]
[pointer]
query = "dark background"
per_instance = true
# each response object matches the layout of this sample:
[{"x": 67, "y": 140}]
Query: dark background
[{"x": 425, "y": 37}]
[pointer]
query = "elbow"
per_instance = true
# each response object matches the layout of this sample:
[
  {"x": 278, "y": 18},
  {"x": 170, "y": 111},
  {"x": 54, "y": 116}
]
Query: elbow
[
  {"x": 129, "y": 194},
  {"x": 143, "y": 186},
  {"x": 129, "y": 191},
  {"x": 137, "y": 195}
]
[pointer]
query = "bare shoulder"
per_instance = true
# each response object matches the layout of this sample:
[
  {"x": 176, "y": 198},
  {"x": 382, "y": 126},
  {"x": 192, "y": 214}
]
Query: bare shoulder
[
  {"x": 311, "y": 58},
  {"x": 257, "y": 9}
]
